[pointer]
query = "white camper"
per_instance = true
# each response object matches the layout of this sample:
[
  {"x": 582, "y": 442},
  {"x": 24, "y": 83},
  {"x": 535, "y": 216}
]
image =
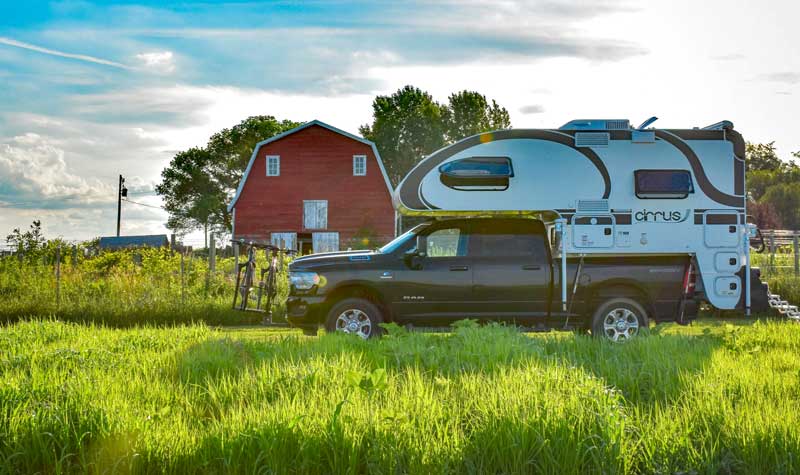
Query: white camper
[{"x": 605, "y": 188}]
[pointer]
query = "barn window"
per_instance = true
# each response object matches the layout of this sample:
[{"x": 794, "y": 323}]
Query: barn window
[
  {"x": 663, "y": 183},
  {"x": 359, "y": 165},
  {"x": 273, "y": 165},
  {"x": 315, "y": 214}
]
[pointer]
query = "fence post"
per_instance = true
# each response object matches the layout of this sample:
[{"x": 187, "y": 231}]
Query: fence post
[
  {"x": 212, "y": 254},
  {"x": 74, "y": 256},
  {"x": 772, "y": 252},
  {"x": 796, "y": 256},
  {"x": 58, "y": 277},
  {"x": 235, "y": 258},
  {"x": 172, "y": 242},
  {"x": 183, "y": 291}
]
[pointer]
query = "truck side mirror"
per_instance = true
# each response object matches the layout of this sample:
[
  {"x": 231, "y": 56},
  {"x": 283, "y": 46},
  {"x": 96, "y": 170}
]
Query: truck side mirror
[
  {"x": 422, "y": 245},
  {"x": 412, "y": 257}
]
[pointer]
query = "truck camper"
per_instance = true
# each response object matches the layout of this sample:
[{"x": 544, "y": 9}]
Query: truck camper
[{"x": 632, "y": 225}]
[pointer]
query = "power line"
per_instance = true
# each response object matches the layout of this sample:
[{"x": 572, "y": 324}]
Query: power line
[{"x": 143, "y": 204}]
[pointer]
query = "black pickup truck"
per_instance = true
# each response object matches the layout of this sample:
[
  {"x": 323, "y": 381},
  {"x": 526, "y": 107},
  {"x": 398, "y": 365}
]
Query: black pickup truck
[{"x": 490, "y": 269}]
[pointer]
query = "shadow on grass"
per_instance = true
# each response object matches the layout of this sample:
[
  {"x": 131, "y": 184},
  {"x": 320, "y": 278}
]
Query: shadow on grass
[{"x": 652, "y": 367}]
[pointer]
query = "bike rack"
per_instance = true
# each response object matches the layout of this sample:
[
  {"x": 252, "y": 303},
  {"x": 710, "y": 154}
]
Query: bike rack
[{"x": 246, "y": 283}]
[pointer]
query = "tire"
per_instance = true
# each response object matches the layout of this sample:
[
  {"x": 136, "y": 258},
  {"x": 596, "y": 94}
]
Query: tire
[
  {"x": 619, "y": 319},
  {"x": 355, "y": 316}
]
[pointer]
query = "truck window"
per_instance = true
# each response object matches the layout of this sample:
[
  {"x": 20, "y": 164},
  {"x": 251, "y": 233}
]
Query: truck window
[
  {"x": 448, "y": 242},
  {"x": 509, "y": 238}
]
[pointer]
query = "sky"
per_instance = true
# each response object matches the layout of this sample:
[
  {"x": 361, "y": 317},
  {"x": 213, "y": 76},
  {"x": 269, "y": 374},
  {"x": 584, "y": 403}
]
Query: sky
[{"x": 91, "y": 90}]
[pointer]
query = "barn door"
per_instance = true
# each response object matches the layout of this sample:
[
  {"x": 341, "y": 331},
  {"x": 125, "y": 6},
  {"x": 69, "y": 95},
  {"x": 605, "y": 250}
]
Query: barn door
[
  {"x": 325, "y": 242},
  {"x": 284, "y": 240},
  {"x": 315, "y": 214}
]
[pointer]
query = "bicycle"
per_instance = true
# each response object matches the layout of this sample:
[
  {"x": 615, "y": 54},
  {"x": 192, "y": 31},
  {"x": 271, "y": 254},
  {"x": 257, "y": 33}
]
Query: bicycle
[{"x": 245, "y": 280}]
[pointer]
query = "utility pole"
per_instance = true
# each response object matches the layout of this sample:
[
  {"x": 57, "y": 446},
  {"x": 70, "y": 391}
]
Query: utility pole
[{"x": 122, "y": 192}]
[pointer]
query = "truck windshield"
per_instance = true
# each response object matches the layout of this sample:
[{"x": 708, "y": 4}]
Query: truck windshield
[{"x": 397, "y": 242}]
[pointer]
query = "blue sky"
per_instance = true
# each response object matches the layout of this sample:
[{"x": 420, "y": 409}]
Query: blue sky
[{"x": 93, "y": 89}]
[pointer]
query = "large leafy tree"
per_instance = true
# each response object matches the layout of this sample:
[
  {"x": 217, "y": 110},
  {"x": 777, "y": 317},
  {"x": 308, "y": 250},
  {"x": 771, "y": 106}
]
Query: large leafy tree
[
  {"x": 469, "y": 113},
  {"x": 231, "y": 148},
  {"x": 199, "y": 183},
  {"x": 192, "y": 196},
  {"x": 772, "y": 187},
  {"x": 409, "y": 124}
]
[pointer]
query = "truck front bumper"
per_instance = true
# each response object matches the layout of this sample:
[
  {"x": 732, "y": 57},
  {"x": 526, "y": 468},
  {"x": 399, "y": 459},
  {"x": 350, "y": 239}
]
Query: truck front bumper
[{"x": 305, "y": 312}]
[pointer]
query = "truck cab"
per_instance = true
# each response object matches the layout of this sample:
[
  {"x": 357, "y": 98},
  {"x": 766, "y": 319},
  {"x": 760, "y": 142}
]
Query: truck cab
[{"x": 491, "y": 269}]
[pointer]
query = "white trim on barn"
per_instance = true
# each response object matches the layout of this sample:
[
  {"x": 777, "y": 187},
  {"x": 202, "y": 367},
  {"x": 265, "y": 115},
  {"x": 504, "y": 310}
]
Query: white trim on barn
[
  {"x": 274, "y": 160},
  {"x": 298, "y": 129},
  {"x": 284, "y": 240},
  {"x": 325, "y": 242},
  {"x": 359, "y": 165}
]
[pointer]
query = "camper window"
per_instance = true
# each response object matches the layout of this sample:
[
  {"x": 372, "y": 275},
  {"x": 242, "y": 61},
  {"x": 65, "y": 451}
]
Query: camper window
[
  {"x": 675, "y": 184},
  {"x": 477, "y": 173}
]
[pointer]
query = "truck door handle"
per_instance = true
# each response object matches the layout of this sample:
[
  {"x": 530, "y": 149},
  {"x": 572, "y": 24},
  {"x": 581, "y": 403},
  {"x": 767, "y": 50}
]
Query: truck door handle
[
  {"x": 459, "y": 268},
  {"x": 531, "y": 267}
]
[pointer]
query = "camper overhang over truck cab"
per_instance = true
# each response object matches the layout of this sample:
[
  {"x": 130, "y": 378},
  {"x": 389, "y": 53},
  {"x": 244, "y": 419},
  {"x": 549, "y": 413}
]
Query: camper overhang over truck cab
[{"x": 605, "y": 189}]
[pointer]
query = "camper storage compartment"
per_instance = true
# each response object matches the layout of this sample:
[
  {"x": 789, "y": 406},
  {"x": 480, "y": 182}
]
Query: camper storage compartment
[
  {"x": 721, "y": 228},
  {"x": 595, "y": 231}
]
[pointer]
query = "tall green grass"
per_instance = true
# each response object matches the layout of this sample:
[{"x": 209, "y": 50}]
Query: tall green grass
[
  {"x": 125, "y": 288},
  {"x": 190, "y": 399}
]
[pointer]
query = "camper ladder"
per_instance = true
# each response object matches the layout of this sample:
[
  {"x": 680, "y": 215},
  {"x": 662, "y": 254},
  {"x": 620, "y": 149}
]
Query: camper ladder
[{"x": 783, "y": 307}]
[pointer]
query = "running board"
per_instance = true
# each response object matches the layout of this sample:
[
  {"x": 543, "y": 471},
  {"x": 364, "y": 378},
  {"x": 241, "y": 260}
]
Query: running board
[{"x": 522, "y": 329}]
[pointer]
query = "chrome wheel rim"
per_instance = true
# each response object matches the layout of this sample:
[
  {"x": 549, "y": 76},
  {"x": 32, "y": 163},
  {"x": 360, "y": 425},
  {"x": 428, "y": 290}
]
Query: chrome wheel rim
[
  {"x": 620, "y": 324},
  {"x": 355, "y": 322}
]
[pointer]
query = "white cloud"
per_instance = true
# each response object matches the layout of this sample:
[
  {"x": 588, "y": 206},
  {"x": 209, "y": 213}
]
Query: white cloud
[
  {"x": 532, "y": 109},
  {"x": 34, "y": 174},
  {"x": 157, "y": 61}
]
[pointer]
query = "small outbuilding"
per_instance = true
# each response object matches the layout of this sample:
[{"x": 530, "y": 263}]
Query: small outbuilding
[
  {"x": 315, "y": 188},
  {"x": 132, "y": 242}
]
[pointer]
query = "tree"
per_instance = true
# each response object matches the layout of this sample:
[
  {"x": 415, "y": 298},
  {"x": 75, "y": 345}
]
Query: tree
[
  {"x": 469, "y": 113},
  {"x": 30, "y": 242},
  {"x": 199, "y": 183},
  {"x": 762, "y": 156},
  {"x": 785, "y": 200},
  {"x": 409, "y": 124},
  {"x": 192, "y": 196},
  {"x": 231, "y": 149},
  {"x": 764, "y": 215}
]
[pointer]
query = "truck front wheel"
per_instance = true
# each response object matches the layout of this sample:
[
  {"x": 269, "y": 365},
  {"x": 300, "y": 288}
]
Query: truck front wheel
[
  {"x": 619, "y": 319},
  {"x": 356, "y": 317}
]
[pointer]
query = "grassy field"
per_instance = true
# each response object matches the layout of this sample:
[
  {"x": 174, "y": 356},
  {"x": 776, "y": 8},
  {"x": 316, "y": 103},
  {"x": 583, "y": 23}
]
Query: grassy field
[
  {"x": 711, "y": 398},
  {"x": 124, "y": 288}
]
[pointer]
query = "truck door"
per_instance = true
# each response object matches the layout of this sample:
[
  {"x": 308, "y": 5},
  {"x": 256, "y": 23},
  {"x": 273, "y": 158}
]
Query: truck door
[
  {"x": 511, "y": 271},
  {"x": 438, "y": 289}
]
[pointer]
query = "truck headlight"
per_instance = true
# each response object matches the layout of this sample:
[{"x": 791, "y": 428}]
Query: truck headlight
[{"x": 303, "y": 280}]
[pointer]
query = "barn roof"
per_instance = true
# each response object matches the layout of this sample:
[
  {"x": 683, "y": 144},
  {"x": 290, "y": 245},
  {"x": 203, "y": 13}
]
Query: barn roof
[{"x": 298, "y": 129}]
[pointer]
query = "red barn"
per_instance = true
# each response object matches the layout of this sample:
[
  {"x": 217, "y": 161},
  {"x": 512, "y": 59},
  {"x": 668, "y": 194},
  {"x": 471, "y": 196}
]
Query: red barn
[{"x": 314, "y": 188}]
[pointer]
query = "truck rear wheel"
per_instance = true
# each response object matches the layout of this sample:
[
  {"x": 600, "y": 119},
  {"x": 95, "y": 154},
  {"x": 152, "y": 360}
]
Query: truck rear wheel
[
  {"x": 619, "y": 319},
  {"x": 356, "y": 317}
]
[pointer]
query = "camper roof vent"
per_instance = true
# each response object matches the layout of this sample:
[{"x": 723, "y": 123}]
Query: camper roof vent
[
  {"x": 597, "y": 124},
  {"x": 591, "y": 139},
  {"x": 617, "y": 125},
  {"x": 592, "y": 206}
]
